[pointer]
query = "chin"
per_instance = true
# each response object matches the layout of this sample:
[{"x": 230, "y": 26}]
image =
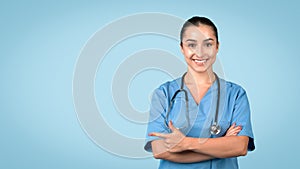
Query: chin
[{"x": 199, "y": 69}]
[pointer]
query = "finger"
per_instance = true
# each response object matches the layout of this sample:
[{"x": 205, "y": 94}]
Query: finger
[
  {"x": 171, "y": 126},
  {"x": 167, "y": 145},
  {"x": 230, "y": 134},
  {"x": 234, "y": 131},
  {"x": 161, "y": 135},
  {"x": 237, "y": 129},
  {"x": 231, "y": 127}
]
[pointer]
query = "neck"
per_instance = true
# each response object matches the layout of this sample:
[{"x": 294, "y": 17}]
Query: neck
[{"x": 203, "y": 78}]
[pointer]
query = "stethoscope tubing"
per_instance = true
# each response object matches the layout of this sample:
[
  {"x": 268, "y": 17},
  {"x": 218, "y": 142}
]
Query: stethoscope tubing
[{"x": 215, "y": 128}]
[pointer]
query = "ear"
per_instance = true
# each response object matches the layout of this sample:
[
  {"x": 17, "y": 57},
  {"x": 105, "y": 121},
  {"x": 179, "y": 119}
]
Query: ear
[
  {"x": 181, "y": 48},
  {"x": 218, "y": 45}
]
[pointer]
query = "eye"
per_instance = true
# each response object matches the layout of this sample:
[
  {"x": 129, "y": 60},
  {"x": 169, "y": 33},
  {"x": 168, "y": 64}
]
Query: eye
[
  {"x": 192, "y": 45},
  {"x": 208, "y": 44}
]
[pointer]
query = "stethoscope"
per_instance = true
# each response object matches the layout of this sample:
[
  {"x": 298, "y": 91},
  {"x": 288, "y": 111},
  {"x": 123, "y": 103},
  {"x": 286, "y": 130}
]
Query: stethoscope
[{"x": 215, "y": 128}]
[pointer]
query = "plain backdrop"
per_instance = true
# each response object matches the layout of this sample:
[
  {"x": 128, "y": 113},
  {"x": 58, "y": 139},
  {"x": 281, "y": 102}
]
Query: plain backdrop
[{"x": 40, "y": 42}]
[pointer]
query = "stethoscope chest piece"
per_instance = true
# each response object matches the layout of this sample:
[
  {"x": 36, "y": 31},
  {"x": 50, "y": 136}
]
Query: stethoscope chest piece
[{"x": 215, "y": 129}]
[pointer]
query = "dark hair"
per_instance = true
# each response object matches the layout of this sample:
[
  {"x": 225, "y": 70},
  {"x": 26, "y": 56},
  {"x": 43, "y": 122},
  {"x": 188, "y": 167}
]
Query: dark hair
[{"x": 196, "y": 21}]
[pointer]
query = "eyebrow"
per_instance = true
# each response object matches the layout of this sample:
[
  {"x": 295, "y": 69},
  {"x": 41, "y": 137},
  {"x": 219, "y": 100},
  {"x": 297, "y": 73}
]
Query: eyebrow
[
  {"x": 209, "y": 39},
  {"x": 193, "y": 40}
]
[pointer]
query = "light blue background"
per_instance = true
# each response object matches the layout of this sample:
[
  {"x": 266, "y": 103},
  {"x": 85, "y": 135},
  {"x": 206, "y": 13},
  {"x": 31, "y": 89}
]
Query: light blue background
[{"x": 40, "y": 42}]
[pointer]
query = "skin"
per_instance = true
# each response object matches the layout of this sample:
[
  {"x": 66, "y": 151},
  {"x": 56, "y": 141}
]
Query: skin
[
  {"x": 199, "y": 47},
  {"x": 199, "y": 44}
]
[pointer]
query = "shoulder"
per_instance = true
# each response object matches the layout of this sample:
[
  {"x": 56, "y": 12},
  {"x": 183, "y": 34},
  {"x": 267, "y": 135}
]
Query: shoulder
[
  {"x": 233, "y": 87},
  {"x": 234, "y": 91},
  {"x": 168, "y": 88}
]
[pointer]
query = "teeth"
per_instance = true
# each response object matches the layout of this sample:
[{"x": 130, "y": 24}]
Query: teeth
[{"x": 200, "y": 61}]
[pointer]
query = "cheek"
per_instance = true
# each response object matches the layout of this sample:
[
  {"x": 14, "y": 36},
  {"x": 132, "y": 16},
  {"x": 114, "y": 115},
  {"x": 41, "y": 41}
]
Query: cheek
[
  {"x": 213, "y": 54},
  {"x": 213, "y": 57},
  {"x": 187, "y": 53}
]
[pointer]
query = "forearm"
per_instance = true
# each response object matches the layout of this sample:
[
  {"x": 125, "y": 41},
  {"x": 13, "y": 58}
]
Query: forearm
[
  {"x": 160, "y": 152},
  {"x": 185, "y": 157},
  {"x": 222, "y": 147}
]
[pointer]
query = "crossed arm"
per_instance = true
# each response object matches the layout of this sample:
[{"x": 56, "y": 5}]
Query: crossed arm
[{"x": 177, "y": 147}]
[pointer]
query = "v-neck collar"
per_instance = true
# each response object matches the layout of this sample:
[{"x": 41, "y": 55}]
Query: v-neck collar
[{"x": 190, "y": 96}]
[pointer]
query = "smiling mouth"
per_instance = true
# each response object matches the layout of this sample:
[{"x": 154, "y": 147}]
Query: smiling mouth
[{"x": 200, "y": 60}]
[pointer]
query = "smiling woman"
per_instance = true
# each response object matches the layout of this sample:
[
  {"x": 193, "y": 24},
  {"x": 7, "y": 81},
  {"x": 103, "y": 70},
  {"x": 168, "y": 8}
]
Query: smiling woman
[{"x": 213, "y": 139}]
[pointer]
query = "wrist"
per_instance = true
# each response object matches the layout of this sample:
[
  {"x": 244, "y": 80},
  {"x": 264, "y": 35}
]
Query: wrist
[{"x": 189, "y": 143}]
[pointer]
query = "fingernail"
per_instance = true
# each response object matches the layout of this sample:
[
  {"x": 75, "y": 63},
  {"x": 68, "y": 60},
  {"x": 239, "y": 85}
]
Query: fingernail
[
  {"x": 151, "y": 134},
  {"x": 171, "y": 122}
]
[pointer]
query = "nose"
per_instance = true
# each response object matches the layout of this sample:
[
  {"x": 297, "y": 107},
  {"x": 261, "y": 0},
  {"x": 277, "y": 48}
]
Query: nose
[{"x": 198, "y": 51}]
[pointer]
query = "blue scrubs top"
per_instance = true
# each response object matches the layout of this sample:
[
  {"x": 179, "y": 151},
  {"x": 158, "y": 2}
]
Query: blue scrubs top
[{"x": 234, "y": 108}]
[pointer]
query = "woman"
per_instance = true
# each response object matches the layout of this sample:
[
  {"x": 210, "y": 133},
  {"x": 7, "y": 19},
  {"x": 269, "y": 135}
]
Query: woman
[{"x": 199, "y": 120}]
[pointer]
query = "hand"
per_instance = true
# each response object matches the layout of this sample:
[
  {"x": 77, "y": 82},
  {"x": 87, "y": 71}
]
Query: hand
[
  {"x": 175, "y": 141},
  {"x": 233, "y": 130}
]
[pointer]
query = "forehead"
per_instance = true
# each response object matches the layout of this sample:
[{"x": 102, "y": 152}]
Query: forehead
[{"x": 199, "y": 33}]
